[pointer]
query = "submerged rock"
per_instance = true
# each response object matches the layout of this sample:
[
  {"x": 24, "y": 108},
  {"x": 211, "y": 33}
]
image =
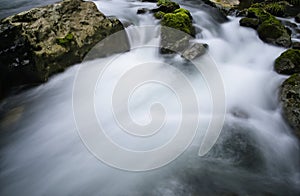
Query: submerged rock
[
  {"x": 290, "y": 98},
  {"x": 288, "y": 62},
  {"x": 142, "y": 11},
  {"x": 269, "y": 29},
  {"x": 238, "y": 147},
  {"x": 42, "y": 41}
]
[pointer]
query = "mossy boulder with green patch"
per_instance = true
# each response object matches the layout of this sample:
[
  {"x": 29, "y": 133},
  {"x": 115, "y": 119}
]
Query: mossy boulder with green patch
[
  {"x": 288, "y": 62},
  {"x": 275, "y": 34},
  {"x": 290, "y": 99},
  {"x": 65, "y": 40},
  {"x": 181, "y": 20},
  {"x": 166, "y": 6},
  {"x": 269, "y": 29},
  {"x": 178, "y": 31},
  {"x": 40, "y": 42},
  {"x": 159, "y": 14},
  {"x": 249, "y": 22},
  {"x": 177, "y": 27},
  {"x": 274, "y": 8}
]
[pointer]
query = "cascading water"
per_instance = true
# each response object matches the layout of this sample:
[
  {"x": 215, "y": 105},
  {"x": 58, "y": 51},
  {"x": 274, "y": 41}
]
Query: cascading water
[{"x": 256, "y": 154}]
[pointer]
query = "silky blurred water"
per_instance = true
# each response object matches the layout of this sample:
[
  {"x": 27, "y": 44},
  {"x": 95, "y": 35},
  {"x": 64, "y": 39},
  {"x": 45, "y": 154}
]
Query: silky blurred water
[{"x": 41, "y": 152}]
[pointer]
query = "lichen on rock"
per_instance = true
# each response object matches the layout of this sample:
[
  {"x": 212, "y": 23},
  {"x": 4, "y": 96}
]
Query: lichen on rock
[
  {"x": 65, "y": 40},
  {"x": 290, "y": 99},
  {"x": 288, "y": 62},
  {"x": 39, "y": 42}
]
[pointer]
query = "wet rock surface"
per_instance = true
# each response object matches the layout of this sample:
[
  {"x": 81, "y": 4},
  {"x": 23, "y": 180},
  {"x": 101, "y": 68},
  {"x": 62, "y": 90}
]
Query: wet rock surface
[
  {"x": 288, "y": 62},
  {"x": 290, "y": 98},
  {"x": 38, "y": 43},
  {"x": 269, "y": 29}
]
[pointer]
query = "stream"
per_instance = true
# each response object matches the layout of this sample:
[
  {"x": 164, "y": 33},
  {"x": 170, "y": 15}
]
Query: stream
[{"x": 42, "y": 153}]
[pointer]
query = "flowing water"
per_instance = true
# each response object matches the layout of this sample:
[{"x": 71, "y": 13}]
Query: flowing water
[{"x": 42, "y": 154}]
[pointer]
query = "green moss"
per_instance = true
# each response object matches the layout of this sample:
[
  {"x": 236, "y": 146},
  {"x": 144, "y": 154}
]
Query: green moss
[
  {"x": 159, "y": 14},
  {"x": 183, "y": 11},
  {"x": 276, "y": 9},
  {"x": 259, "y": 13},
  {"x": 67, "y": 39},
  {"x": 167, "y": 3},
  {"x": 293, "y": 79},
  {"x": 263, "y": 16},
  {"x": 179, "y": 20},
  {"x": 269, "y": 31},
  {"x": 292, "y": 54},
  {"x": 249, "y": 22},
  {"x": 288, "y": 62}
]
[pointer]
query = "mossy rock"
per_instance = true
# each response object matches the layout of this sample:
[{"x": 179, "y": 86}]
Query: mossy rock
[
  {"x": 277, "y": 9},
  {"x": 274, "y": 8},
  {"x": 270, "y": 29},
  {"x": 159, "y": 15},
  {"x": 274, "y": 34},
  {"x": 166, "y": 6},
  {"x": 259, "y": 13},
  {"x": 40, "y": 42},
  {"x": 290, "y": 98},
  {"x": 180, "y": 19},
  {"x": 249, "y": 22},
  {"x": 179, "y": 30},
  {"x": 182, "y": 10},
  {"x": 177, "y": 26},
  {"x": 288, "y": 62}
]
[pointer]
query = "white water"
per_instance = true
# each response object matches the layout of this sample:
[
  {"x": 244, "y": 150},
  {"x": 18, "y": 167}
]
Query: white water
[{"x": 42, "y": 154}]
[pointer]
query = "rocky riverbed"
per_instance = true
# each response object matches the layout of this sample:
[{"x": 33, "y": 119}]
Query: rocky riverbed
[
  {"x": 256, "y": 153},
  {"x": 38, "y": 43}
]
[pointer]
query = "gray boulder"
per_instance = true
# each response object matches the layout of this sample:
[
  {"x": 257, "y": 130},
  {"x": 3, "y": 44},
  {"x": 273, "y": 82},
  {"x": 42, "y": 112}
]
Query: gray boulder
[
  {"x": 38, "y": 43},
  {"x": 194, "y": 50},
  {"x": 290, "y": 99}
]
